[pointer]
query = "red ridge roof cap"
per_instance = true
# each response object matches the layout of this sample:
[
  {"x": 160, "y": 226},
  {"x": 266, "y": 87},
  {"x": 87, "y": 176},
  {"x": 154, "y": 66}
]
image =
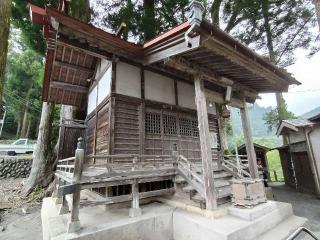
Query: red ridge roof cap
[{"x": 176, "y": 30}]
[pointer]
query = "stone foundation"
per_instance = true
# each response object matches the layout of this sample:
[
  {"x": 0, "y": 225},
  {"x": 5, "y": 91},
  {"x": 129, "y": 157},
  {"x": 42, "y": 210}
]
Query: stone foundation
[
  {"x": 162, "y": 222},
  {"x": 15, "y": 167}
]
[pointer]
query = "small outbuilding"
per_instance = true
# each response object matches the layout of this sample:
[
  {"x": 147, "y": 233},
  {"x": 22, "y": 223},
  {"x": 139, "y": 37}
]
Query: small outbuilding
[
  {"x": 300, "y": 159},
  {"x": 261, "y": 155}
]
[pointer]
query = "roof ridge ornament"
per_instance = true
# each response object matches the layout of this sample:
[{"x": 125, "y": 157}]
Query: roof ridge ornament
[{"x": 195, "y": 13}]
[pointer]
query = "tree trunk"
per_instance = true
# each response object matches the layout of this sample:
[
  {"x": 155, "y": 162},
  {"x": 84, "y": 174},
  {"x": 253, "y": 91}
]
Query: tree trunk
[
  {"x": 18, "y": 129},
  {"x": 24, "y": 128},
  {"x": 149, "y": 21},
  {"x": 5, "y": 13},
  {"x": 267, "y": 28},
  {"x": 80, "y": 9},
  {"x": 224, "y": 135},
  {"x": 28, "y": 129},
  {"x": 317, "y": 6},
  {"x": 66, "y": 112},
  {"x": 42, "y": 167},
  {"x": 215, "y": 12}
]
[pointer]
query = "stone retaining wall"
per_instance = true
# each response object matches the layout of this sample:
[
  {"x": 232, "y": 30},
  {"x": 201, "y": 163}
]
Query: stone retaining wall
[{"x": 15, "y": 167}]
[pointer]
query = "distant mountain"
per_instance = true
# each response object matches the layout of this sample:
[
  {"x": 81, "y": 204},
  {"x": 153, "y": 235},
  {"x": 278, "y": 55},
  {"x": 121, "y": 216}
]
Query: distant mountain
[
  {"x": 311, "y": 113},
  {"x": 256, "y": 114}
]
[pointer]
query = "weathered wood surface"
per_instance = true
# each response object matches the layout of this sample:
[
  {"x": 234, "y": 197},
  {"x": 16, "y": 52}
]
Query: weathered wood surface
[
  {"x": 252, "y": 160},
  {"x": 78, "y": 166},
  {"x": 206, "y": 154}
]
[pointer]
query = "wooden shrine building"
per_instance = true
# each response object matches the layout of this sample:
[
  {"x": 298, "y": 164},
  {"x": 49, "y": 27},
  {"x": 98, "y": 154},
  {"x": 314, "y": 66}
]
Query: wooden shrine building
[{"x": 153, "y": 109}]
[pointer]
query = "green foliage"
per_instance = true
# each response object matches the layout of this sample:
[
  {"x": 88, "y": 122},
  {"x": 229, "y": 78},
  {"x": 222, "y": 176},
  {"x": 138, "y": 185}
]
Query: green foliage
[
  {"x": 31, "y": 34},
  {"x": 80, "y": 9},
  {"x": 278, "y": 27},
  {"x": 23, "y": 85},
  {"x": 144, "y": 19},
  {"x": 274, "y": 117},
  {"x": 275, "y": 165}
]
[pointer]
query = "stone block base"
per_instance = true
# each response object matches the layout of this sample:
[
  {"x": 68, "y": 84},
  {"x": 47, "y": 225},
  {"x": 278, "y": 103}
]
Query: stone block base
[{"x": 248, "y": 192}]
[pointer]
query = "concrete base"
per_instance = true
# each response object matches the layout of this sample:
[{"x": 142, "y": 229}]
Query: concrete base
[
  {"x": 135, "y": 212},
  {"x": 73, "y": 226},
  {"x": 162, "y": 222}
]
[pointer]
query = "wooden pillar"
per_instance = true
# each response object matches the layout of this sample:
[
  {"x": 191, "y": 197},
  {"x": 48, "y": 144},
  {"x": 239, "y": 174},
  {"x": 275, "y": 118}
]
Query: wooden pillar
[
  {"x": 135, "y": 210},
  {"x": 206, "y": 154},
  {"x": 252, "y": 159},
  {"x": 74, "y": 223}
]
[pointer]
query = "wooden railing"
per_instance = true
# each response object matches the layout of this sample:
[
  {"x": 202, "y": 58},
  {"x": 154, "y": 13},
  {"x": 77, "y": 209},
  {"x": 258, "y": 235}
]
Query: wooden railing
[
  {"x": 189, "y": 171},
  {"x": 116, "y": 170},
  {"x": 239, "y": 168},
  {"x": 126, "y": 169}
]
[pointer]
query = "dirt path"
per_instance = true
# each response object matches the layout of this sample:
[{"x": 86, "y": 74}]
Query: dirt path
[{"x": 19, "y": 219}]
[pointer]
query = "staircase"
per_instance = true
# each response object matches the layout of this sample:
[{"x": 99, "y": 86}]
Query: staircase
[{"x": 189, "y": 181}]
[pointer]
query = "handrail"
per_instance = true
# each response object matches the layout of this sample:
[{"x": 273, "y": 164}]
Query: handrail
[
  {"x": 235, "y": 169},
  {"x": 67, "y": 159},
  {"x": 299, "y": 231}
]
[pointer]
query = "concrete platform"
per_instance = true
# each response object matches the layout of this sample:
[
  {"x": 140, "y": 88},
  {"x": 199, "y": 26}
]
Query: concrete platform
[{"x": 273, "y": 220}]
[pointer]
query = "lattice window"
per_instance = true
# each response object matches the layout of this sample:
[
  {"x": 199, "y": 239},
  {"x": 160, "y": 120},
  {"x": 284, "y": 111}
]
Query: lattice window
[
  {"x": 195, "y": 128},
  {"x": 185, "y": 127},
  {"x": 153, "y": 123},
  {"x": 169, "y": 124}
]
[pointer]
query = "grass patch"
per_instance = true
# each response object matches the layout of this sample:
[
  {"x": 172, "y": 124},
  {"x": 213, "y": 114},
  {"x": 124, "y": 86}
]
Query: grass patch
[{"x": 275, "y": 165}]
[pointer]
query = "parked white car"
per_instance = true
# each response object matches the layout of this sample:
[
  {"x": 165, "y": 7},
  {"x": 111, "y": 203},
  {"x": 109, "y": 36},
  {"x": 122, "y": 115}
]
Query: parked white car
[{"x": 22, "y": 145}]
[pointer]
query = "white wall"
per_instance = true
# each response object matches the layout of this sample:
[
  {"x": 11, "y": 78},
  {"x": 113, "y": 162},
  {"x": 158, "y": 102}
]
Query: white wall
[
  {"x": 102, "y": 88},
  {"x": 186, "y": 98},
  {"x": 104, "y": 85},
  {"x": 92, "y": 100},
  {"x": 186, "y": 95},
  {"x": 159, "y": 88},
  {"x": 128, "y": 80}
]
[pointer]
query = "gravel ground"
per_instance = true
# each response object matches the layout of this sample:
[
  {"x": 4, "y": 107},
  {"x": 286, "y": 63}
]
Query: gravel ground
[{"x": 19, "y": 218}]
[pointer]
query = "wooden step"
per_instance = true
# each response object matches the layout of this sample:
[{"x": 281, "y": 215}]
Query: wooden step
[
  {"x": 179, "y": 180},
  {"x": 188, "y": 189},
  {"x": 218, "y": 183},
  {"x": 224, "y": 192},
  {"x": 223, "y": 174}
]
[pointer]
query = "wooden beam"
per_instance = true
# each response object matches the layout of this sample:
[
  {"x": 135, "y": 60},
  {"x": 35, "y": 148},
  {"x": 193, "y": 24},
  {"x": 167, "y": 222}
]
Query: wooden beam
[
  {"x": 171, "y": 49},
  {"x": 252, "y": 159},
  {"x": 183, "y": 65},
  {"x": 219, "y": 98},
  {"x": 73, "y": 66},
  {"x": 68, "y": 86},
  {"x": 206, "y": 154},
  {"x": 120, "y": 29}
]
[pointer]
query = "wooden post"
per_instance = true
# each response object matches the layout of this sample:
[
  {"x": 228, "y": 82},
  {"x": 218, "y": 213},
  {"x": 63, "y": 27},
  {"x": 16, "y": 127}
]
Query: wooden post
[
  {"x": 206, "y": 154},
  {"x": 135, "y": 210},
  {"x": 64, "y": 208},
  {"x": 74, "y": 223},
  {"x": 252, "y": 159}
]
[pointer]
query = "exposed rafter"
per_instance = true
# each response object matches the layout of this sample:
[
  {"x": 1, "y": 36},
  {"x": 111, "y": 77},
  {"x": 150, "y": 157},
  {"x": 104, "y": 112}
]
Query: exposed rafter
[
  {"x": 74, "y": 67},
  {"x": 192, "y": 68},
  {"x": 68, "y": 87}
]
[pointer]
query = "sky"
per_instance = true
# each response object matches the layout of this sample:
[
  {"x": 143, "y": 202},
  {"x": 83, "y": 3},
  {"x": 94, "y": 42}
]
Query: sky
[{"x": 305, "y": 97}]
